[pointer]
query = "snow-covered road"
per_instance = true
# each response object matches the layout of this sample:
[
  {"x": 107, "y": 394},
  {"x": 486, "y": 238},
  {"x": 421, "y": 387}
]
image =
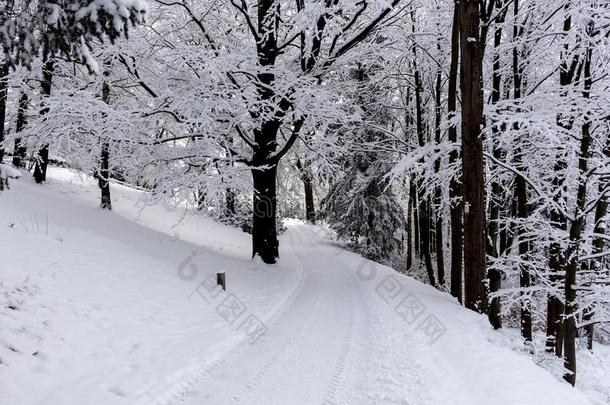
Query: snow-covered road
[
  {"x": 318, "y": 347},
  {"x": 113, "y": 312},
  {"x": 303, "y": 354}
]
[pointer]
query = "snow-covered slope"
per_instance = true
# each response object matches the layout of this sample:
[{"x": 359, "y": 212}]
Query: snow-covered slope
[{"x": 119, "y": 308}]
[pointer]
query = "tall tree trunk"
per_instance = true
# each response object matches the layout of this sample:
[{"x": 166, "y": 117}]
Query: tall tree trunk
[
  {"x": 555, "y": 306},
  {"x": 524, "y": 274},
  {"x": 20, "y": 151},
  {"x": 4, "y": 71},
  {"x": 557, "y": 257},
  {"x": 438, "y": 233},
  {"x": 415, "y": 208},
  {"x": 472, "y": 45},
  {"x": 264, "y": 167},
  {"x": 424, "y": 212},
  {"x": 571, "y": 307},
  {"x": 521, "y": 193},
  {"x": 42, "y": 160},
  {"x": 495, "y": 278},
  {"x": 576, "y": 228},
  {"x": 455, "y": 190},
  {"x": 410, "y": 227},
  {"x": 599, "y": 245},
  {"x": 104, "y": 174}
]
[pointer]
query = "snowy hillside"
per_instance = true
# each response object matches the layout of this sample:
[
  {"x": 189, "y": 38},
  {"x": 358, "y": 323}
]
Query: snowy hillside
[{"x": 119, "y": 308}]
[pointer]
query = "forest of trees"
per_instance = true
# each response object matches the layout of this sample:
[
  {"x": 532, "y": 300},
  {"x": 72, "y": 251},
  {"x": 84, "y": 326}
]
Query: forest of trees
[{"x": 466, "y": 143}]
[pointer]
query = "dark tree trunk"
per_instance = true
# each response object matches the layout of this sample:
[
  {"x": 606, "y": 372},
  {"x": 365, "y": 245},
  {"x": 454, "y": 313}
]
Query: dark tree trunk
[
  {"x": 230, "y": 211},
  {"x": 507, "y": 233},
  {"x": 472, "y": 45},
  {"x": 557, "y": 257},
  {"x": 230, "y": 203},
  {"x": 576, "y": 228},
  {"x": 494, "y": 275},
  {"x": 424, "y": 223},
  {"x": 521, "y": 193},
  {"x": 104, "y": 173},
  {"x": 414, "y": 207},
  {"x": 306, "y": 177},
  {"x": 438, "y": 232},
  {"x": 103, "y": 179},
  {"x": 410, "y": 227},
  {"x": 455, "y": 190},
  {"x": 424, "y": 212},
  {"x": 310, "y": 213},
  {"x": 264, "y": 167},
  {"x": 264, "y": 234},
  {"x": 554, "y": 327},
  {"x": 20, "y": 151},
  {"x": 524, "y": 274},
  {"x": 599, "y": 245},
  {"x": 42, "y": 160},
  {"x": 555, "y": 306},
  {"x": 4, "y": 70},
  {"x": 40, "y": 166}
]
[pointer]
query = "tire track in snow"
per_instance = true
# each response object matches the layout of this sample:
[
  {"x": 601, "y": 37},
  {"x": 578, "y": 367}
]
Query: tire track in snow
[
  {"x": 304, "y": 356},
  {"x": 333, "y": 385},
  {"x": 348, "y": 341},
  {"x": 393, "y": 375},
  {"x": 250, "y": 386}
]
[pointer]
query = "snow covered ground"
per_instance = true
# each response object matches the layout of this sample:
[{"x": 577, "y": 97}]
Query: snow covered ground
[{"x": 121, "y": 308}]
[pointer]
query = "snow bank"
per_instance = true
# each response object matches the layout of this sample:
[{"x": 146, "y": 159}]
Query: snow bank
[
  {"x": 9, "y": 171},
  {"x": 93, "y": 307}
]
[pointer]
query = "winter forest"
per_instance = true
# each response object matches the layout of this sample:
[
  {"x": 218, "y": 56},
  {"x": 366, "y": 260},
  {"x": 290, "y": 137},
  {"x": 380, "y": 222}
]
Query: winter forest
[{"x": 409, "y": 199}]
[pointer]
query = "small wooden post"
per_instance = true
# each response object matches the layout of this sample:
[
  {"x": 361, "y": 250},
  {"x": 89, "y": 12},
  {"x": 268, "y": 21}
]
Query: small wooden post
[{"x": 221, "y": 280}]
